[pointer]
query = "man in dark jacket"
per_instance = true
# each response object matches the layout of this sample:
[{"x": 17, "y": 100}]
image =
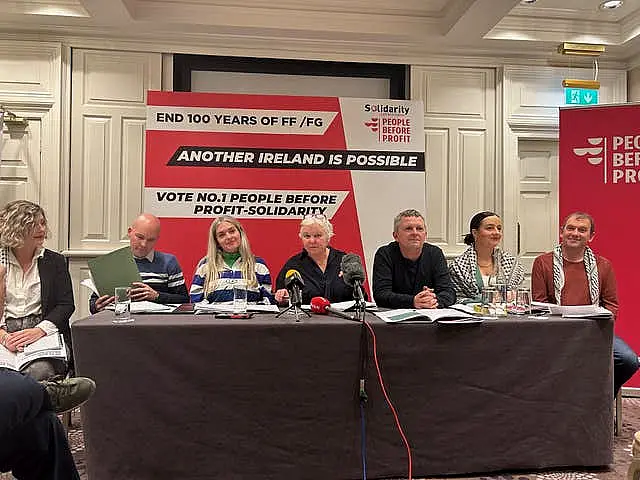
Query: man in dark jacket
[{"x": 410, "y": 273}]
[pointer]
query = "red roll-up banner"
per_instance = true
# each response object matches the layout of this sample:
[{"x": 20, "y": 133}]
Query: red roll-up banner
[{"x": 599, "y": 173}]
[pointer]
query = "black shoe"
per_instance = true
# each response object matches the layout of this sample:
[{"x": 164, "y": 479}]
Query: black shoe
[{"x": 69, "y": 393}]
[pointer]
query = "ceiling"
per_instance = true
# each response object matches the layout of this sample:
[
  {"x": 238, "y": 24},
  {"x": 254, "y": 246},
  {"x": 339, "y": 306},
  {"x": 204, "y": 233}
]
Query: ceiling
[{"x": 400, "y": 29}]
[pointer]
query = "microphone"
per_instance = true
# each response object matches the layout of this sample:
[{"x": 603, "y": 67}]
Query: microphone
[
  {"x": 353, "y": 274},
  {"x": 322, "y": 306},
  {"x": 293, "y": 283}
]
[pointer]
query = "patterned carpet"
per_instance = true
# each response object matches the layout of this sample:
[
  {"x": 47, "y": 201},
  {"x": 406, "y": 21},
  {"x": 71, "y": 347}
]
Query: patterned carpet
[{"x": 617, "y": 471}]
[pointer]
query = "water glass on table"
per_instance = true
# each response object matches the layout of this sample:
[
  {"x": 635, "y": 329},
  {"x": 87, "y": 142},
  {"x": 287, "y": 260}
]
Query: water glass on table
[
  {"x": 122, "y": 306},
  {"x": 240, "y": 296},
  {"x": 494, "y": 299},
  {"x": 523, "y": 301}
]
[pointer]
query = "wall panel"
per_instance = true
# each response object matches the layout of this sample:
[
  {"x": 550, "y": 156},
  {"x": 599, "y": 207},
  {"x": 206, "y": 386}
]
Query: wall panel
[{"x": 460, "y": 108}]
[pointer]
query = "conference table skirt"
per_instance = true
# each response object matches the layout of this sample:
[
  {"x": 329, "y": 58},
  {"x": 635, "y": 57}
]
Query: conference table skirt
[{"x": 195, "y": 397}]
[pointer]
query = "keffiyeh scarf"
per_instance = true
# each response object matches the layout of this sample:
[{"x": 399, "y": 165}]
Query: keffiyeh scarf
[
  {"x": 591, "y": 268},
  {"x": 463, "y": 271},
  {"x": 4, "y": 256}
]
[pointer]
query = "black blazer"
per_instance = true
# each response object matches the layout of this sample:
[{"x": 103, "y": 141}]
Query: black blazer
[{"x": 56, "y": 292}]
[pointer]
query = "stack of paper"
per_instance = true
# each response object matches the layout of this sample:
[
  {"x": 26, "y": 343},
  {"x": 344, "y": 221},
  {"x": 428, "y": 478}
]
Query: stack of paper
[
  {"x": 575, "y": 311},
  {"x": 146, "y": 307},
  {"x": 348, "y": 306},
  {"x": 227, "y": 307}
]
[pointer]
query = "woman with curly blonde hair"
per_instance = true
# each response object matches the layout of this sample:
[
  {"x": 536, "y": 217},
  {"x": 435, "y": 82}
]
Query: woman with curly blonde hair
[
  {"x": 38, "y": 293},
  {"x": 229, "y": 259}
]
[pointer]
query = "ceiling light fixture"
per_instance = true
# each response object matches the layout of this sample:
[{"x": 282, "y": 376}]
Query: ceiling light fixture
[
  {"x": 582, "y": 49},
  {"x": 611, "y": 4},
  {"x": 528, "y": 2}
]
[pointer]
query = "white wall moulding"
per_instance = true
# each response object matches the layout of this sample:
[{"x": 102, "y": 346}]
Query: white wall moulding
[
  {"x": 30, "y": 87},
  {"x": 108, "y": 112},
  {"x": 461, "y": 162},
  {"x": 534, "y": 95},
  {"x": 29, "y": 71},
  {"x": 530, "y": 144}
]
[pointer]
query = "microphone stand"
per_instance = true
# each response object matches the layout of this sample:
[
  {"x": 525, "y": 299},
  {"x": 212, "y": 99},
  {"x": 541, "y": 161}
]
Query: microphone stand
[
  {"x": 360, "y": 305},
  {"x": 363, "y": 354},
  {"x": 295, "y": 307}
]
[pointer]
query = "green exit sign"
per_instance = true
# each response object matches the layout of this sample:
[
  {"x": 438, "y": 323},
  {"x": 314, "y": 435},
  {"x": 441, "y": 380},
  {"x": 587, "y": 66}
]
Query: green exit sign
[{"x": 580, "y": 96}]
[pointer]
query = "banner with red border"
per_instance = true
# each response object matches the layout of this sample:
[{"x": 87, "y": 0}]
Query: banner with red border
[
  {"x": 268, "y": 160},
  {"x": 599, "y": 173}
]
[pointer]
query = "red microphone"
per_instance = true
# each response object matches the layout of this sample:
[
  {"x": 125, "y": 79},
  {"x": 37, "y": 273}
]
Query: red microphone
[{"x": 322, "y": 306}]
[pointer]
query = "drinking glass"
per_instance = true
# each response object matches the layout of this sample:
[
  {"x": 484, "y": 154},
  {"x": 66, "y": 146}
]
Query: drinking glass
[
  {"x": 523, "y": 301},
  {"x": 488, "y": 294},
  {"x": 240, "y": 296},
  {"x": 122, "y": 305},
  {"x": 512, "y": 300},
  {"x": 495, "y": 300}
]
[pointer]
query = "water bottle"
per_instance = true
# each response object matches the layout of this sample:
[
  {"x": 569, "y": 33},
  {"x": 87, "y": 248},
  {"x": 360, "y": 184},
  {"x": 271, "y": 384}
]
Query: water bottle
[{"x": 500, "y": 302}]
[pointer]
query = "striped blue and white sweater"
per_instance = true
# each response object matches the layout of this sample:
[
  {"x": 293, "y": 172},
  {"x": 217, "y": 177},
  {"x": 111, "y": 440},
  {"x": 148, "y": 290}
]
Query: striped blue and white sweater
[{"x": 224, "y": 286}]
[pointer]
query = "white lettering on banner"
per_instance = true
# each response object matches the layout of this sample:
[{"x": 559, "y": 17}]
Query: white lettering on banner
[
  {"x": 238, "y": 120},
  {"x": 623, "y": 160},
  {"x": 196, "y": 202},
  {"x": 626, "y": 153}
]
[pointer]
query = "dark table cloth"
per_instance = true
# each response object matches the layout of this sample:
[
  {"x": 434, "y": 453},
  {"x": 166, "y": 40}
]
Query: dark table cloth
[{"x": 195, "y": 397}]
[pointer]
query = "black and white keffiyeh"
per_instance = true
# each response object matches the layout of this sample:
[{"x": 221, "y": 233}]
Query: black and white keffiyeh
[
  {"x": 463, "y": 272},
  {"x": 4, "y": 260},
  {"x": 4, "y": 256},
  {"x": 591, "y": 267}
]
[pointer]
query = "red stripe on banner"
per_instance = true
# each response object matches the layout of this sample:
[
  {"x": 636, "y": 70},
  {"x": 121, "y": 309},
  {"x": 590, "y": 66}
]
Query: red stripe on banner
[{"x": 599, "y": 173}]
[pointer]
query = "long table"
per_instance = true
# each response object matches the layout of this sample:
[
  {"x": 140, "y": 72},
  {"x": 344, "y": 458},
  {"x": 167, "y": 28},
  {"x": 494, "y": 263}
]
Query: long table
[{"x": 195, "y": 397}]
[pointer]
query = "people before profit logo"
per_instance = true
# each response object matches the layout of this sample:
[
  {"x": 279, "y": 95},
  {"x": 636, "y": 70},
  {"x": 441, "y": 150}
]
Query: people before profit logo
[
  {"x": 624, "y": 166},
  {"x": 391, "y": 128},
  {"x": 625, "y": 159},
  {"x": 374, "y": 124},
  {"x": 592, "y": 151}
]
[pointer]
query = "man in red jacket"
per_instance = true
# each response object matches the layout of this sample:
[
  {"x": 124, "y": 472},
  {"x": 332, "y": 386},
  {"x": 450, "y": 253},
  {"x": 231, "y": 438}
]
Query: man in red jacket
[{"x": 573, "y": 275}]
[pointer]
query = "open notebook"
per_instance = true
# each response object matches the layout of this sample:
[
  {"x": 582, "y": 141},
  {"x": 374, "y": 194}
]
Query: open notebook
[{"x": 440, "y": 315}]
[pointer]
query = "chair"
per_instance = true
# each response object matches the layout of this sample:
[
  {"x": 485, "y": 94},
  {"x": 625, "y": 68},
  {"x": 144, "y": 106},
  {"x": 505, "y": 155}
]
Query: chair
[{"x": 617, "y": 426}]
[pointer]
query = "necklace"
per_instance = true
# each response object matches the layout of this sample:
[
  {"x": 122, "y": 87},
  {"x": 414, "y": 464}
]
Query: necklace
[{"x": 485, "y": 265}]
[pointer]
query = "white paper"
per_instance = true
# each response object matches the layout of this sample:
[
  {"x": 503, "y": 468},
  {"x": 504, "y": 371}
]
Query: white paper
[
  {"x": 49, "y": 346},
  {"x": 150, "y": 307},
  {"x": 574, "y": 311},
  {"x": 350, "y": 304},
  {"x": 88, "y": 282},
  {"x": 227, "y": 307},
  {"x": 465, "y": 307}
]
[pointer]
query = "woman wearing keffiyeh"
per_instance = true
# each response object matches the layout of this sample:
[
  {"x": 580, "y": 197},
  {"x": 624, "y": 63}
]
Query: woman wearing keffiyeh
[{"x": 483, "y": 263}]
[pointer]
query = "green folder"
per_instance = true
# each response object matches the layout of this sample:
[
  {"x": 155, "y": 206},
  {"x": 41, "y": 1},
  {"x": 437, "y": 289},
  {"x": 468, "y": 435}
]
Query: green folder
[{"x": 115, "y": 269}]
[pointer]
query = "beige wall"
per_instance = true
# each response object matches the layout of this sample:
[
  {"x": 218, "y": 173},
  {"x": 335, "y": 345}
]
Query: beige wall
[
  {"x": 490, "y": 127},
  {"x": 633, "y": 92}
]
